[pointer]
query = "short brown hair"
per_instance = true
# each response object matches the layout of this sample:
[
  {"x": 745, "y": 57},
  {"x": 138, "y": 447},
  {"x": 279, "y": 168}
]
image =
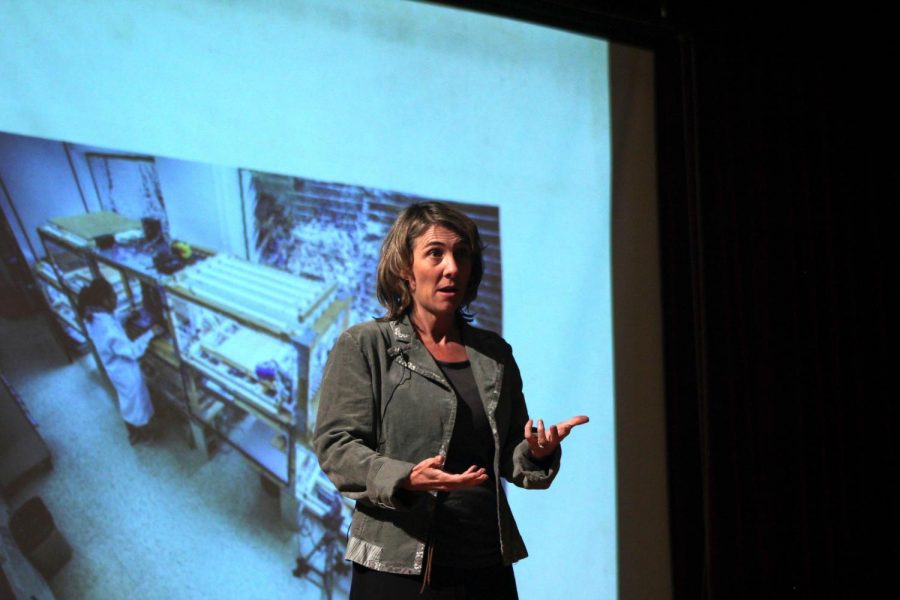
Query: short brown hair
[{"x": 397, "y": 254}]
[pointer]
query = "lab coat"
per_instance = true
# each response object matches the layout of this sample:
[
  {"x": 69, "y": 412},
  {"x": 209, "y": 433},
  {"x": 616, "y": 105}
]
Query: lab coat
[{"x": 120, "y": 357}]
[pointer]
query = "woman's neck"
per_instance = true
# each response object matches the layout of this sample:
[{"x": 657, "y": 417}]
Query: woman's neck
[
  {"x": 438, "y": 328},
  {"x": 440, "y": 336}
]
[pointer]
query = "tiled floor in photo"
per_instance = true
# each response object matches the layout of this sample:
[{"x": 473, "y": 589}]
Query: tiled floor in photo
[{"x": 149, "y": 521}]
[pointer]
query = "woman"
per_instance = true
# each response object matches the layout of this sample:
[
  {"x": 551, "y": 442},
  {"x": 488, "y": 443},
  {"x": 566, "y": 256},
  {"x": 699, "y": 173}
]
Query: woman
[
  {"x": 96, "y": 304},
  {"x": 420, "y": 416}
]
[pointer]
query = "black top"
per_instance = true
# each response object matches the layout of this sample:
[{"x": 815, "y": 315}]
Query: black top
[{"x": 465, "y": 532}]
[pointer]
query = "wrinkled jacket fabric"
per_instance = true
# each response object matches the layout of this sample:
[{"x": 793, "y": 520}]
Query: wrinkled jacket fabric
[{"x": 384, "y": 407}]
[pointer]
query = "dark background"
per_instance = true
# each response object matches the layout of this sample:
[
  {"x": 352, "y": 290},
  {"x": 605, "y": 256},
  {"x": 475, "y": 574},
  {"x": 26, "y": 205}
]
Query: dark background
[{"x": 777, "y": 193}]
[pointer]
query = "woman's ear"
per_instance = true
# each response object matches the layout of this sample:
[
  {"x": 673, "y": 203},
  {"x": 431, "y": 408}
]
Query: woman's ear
[{"x": 410, "y": 281}]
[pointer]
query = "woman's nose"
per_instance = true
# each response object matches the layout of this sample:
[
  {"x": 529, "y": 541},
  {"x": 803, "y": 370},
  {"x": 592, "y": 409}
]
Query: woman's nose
[{"x": 450, "y": 266}]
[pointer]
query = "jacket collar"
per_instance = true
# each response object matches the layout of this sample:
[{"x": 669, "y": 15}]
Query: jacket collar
[
  {"x": 405, "y": 337},
  {"x": 403, "y": 331},
  {"x": 411, "y": 353}
]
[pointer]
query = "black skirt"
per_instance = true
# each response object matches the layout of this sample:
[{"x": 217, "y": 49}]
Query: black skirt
[{"x": 488, "y": 583}]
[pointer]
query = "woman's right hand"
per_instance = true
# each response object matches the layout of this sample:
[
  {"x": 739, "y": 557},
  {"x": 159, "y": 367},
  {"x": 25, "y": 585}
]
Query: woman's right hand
[{"x": 429, "y": 475}]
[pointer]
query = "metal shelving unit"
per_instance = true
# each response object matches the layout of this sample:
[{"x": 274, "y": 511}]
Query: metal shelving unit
[
  {"x": 253, "y": 341},
  {"x": 59, "y": 302}
]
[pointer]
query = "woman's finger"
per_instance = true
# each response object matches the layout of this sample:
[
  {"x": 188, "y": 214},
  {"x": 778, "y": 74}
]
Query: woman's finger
[
  {"x": 554, "y": 436},
  {"x": 543, "y": 441},
  {"x": 565, "y": 427},
  {"x": 469, "y": 478},
  {"x": 574, "y": 422},
  {"x": 541, "y": 434},
  {"x": 428, "y": 478},
  {"x": 447, "y": 482}
]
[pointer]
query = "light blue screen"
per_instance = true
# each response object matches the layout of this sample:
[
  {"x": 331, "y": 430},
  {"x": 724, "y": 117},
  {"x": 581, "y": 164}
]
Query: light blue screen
[{"x": 392, "y": 94}]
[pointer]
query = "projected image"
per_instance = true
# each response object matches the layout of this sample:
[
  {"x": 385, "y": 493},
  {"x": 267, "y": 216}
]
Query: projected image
[
  {"x": 275, "y": 145},
  {"x": 243, "y": 340},
  {"x": 332, "y": 232}
]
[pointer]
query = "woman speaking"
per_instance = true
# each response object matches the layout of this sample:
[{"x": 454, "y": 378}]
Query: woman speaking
[{"x": 420, "y": 415}]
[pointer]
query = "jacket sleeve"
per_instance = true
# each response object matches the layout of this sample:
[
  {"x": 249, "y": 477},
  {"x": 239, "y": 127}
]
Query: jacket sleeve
[
  {"x": 516, "y": 463},
  {"x": 120, "y": 345},
  {"x": 347, "y": 430}
]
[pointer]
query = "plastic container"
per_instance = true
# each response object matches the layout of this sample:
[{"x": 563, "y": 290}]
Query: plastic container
[{"x": 152, "y": 228}]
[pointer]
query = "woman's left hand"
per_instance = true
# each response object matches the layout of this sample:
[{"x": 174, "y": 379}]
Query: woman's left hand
[{"x": 543, "y": 442}]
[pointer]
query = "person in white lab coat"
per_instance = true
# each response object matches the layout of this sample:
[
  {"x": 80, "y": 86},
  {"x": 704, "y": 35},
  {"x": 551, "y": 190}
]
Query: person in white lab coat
[{"x": 120, "y": 356}]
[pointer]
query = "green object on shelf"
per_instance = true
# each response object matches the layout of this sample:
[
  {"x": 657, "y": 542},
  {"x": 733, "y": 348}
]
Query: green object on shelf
[{"x": 90, "y": 225}]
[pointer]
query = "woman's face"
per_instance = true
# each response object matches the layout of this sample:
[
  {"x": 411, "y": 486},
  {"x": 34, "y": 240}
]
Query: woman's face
[{"x": 440, "y": 271}]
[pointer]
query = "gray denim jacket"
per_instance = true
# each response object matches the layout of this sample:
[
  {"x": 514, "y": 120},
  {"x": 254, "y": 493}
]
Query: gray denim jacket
[{"x": 385, "y": 406}]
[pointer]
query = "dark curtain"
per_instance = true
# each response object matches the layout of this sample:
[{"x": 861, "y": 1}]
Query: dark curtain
[{"x": 796, "y": 413}]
